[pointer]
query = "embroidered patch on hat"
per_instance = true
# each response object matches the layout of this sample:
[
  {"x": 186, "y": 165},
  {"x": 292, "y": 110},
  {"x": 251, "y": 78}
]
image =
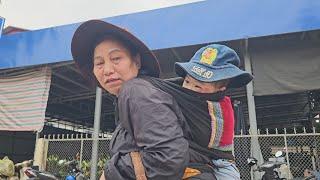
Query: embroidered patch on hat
[
  {"x": 208, "y": 55},
  {"x": 202, "y": 72}
]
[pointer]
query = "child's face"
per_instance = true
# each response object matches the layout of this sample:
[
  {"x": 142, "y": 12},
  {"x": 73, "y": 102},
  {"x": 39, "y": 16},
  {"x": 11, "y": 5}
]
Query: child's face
[{"x": 202, "y": 87}]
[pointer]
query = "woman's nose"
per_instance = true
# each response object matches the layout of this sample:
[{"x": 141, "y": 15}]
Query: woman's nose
[{"x": 108, "y": 69}]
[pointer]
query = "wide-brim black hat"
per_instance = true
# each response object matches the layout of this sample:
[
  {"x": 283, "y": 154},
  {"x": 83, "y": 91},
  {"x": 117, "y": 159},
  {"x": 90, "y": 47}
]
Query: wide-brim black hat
[{"x": 84, "y": 41}]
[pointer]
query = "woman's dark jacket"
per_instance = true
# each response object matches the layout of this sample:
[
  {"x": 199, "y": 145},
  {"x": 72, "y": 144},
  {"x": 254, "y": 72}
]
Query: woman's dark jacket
[{"x": 150, "y": 121}]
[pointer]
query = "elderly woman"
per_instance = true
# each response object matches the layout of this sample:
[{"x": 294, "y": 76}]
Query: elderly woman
[{"x": 148, "y": 141}]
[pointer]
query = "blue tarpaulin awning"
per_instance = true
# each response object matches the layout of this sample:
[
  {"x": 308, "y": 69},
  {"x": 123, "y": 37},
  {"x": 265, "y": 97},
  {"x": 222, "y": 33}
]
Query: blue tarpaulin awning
[
  {"x": 196, "y": 23},
  {"x": 1, "y": 25}
]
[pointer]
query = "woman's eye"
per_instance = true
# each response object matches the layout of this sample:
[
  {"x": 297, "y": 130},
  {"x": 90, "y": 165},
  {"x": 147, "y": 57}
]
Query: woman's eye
[
  {"x": 98, "y": 63},
  {"x": 115, "y": 59},
  {"x": 186, "y": 81}
]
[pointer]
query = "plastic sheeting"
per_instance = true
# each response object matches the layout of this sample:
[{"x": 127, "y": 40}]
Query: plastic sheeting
[
  {"x": 286, "y": 67},
  {"x": 23, "y": 100}
]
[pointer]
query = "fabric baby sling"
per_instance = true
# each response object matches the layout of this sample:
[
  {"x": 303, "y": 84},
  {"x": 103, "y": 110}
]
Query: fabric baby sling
[
  {"x": 195, "y": 110},
  {"x": 194, "y": 107}
]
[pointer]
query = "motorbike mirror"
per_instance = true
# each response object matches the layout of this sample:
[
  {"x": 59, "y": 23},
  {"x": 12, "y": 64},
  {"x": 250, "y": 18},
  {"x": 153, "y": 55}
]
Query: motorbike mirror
[
  {"x": 279, "y": 154},
  {"x": 252, "y": 161}
]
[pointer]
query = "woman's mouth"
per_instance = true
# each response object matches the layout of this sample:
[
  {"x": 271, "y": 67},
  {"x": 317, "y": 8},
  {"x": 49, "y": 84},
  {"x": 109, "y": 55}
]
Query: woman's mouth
[{"x": 113, "y": 81}]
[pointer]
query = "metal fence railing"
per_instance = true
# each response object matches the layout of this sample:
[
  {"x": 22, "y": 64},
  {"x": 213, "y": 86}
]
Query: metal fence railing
[
  {"x": 302, "y": 151},
  {"x": 67, "y": 147}
]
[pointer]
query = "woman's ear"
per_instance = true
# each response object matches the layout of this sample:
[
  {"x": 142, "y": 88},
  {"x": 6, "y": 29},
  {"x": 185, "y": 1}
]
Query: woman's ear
[{"x": 137, "y": 60}]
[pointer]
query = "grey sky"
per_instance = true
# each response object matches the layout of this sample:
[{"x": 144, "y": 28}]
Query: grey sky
[{"x": 38, "y": 14}]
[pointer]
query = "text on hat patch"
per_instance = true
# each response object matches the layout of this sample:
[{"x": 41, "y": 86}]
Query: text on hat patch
[
  {"x": 202, "y": 72},
  {"x": 208, "y": 55}
]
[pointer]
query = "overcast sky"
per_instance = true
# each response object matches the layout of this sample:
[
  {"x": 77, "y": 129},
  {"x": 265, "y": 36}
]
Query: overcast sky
[{"x": 38, "y": 14}]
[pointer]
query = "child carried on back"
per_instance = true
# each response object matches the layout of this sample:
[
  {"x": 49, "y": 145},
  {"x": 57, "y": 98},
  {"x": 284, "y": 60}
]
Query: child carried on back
[{"x": 208, "y": 111}]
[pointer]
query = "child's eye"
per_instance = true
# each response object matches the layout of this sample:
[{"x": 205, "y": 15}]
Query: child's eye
[
  {"x": 197, "y": 87},
  {"x": 186, "y": 81}
]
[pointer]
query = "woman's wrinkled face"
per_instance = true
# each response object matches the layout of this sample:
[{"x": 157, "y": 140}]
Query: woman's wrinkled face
[
  {"x": 113, "y": 65},
  {"x": 203, "y": 87}
]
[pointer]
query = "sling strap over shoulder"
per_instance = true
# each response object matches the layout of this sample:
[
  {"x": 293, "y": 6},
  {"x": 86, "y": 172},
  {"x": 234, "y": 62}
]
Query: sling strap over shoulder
[{"x": 138, "y": 166}]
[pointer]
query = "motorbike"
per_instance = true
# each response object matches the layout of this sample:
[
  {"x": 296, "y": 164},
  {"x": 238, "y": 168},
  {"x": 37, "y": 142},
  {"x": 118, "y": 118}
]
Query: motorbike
[
  {"x": 33, "y": 173},
  {"x": 271, "y": 168},
  {"x": 74, "y": 171},
  {"x": 311, "y": 175}
]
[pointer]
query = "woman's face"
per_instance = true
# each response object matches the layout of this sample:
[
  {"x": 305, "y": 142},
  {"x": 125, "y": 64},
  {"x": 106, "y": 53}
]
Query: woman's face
[{"x": 113, "y": 65}]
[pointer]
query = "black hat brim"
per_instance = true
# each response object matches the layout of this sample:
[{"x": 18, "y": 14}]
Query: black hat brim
[{"x": 83, "y": 43}]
